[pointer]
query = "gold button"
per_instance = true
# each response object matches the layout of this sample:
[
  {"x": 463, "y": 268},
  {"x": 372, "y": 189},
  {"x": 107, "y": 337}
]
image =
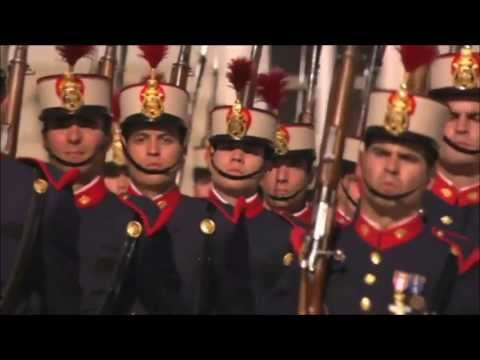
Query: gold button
[
  {"x": 84, "y": 199},
  {"x": 473, "y": 196},
  {"x": 375, "y": 257},
  {"x": 134, "y": 229},
  {"x": 446, "y": 192},
  {"x": 364, "y": 229},
  {"x": 40, "y": 186},
  {"x": 455, "y": 250},
  {"x": 207, "y": 226},
  {"x": 288, "y": 259},
  {"x": 447, "y": 220},
  {"x": 400, "y": 233},
  {"x": 370, "y": 279},
  {"x": 161, "y": 204},
  {"x": 365, "y": 304}
]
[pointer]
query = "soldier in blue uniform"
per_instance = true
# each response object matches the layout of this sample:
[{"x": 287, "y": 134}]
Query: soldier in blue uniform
[
  {"x": 76, "y": 131},
  {"x": 285, "y": 186},
  {"x": 254, "y": 250},
  {"x": 153, "y": 124},
  {"x": 397, "y": 261},
  {"x": 453, "y": 200},
  {"x": 39, "y": 223}
]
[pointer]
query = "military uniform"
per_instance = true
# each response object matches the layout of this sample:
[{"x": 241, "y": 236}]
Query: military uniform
[
  {"x": 412, "y": 266},
  {"x": 255, "y": 255},
  {"x": 452, "y": 77},
  {"x": 108, "y": 230},
  {"x": 254, "y": 251},
  {"x": 390, "y": 271},
  {"x": 51, "y": 284},
  {"x": 167, "y": 272}
]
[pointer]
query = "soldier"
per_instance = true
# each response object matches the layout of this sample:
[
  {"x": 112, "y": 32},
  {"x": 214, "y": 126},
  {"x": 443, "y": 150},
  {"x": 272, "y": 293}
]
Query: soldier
[
  {"x": 285, "y": 185},
  {"x": 253, "y": 249},
  {"x": 454, "y": 197},
  {"x": 76, "y": 122},
  {"x": 116, "y": 178},
  {"x": 397, "y": 261},
  {"x": 153, "y": 124}
]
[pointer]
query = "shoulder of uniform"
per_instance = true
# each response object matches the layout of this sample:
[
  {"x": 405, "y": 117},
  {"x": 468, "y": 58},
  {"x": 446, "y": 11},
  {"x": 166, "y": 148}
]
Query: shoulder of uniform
[
  {"x": 55, "y": 177},
  {"x": 464, "y": 247}
]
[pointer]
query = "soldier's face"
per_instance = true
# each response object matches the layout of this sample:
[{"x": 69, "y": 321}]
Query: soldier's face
[
  {"x": 155, "y": 149},
  {"x": 78, "y": 143},
  {"x": 288, "y": 176},
  {"x": 392, "y": 170},
  {"x": 118, "y": 185},
  {"x": 237, "y": 160},
  {"x": 463, "y": 129}
]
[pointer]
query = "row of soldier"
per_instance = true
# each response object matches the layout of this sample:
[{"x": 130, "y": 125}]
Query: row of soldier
[{"x": 407, "y": 219}]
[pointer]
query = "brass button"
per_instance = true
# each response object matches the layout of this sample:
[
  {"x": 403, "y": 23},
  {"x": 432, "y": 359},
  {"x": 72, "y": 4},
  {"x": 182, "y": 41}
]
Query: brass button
[
  {"x": 364, "y": 229},
  {"x": 473, "y": 196},
  {"x": 161, "y": 204},
  {"x": 446, "y": 192},
  {"x": 288, "y": 259},
  {"x": 400, "y": 233},
  {"x": 370, "y": 279},
  {"x": 207, "y": 226},
  {"x": 40, "y": 186},
  {"x": 447, "y": 220},
  {"x": 84, "y": 199},
  {"x": 134, "y": 229},
  {"x": 455, "y": 250},
  {"x": 375, "y": 258},
  {"x": 365, "y": 304}
]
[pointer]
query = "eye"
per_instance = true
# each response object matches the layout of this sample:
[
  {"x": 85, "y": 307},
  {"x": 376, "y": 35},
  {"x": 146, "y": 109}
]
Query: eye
[
  {"x": 138, "y": 139},
  {"x": 474, "y": 116},
  {"x": 410, "y": 158},
  {"x": 380, "y": 152},
  {"x": 167, "y": 140}
]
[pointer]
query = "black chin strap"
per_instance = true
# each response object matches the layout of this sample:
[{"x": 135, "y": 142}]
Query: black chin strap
[
  {"x": 460, "y": 149},
  {"x": 69, "y": 163},
  {"x": 236, "y": 177},
  {"x": 388, "y": 197},
  {"x": 149, "y": 171}
]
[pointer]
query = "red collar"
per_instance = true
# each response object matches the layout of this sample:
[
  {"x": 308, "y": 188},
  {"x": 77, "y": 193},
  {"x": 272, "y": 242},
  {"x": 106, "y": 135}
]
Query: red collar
[
  {"x": 445, "y": 190},
  {"x": 304, "y": 215},
  {"x": 252, "y": 207},
  {"x": 91, "y": 194},
  {"x": 169, "y": 198},
  {"x": 167, "y": 202},
  {"x": 384, "y": 239}
]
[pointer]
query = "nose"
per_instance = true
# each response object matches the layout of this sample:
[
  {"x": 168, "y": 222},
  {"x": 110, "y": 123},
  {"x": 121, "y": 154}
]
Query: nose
[
  {"x": 392, "y": 164},
  {"x": 282, "y": 174},
  {"x": 238, "y": 155},
  {"x": 152, "y": 147},
  {"x": 462, "y": 124},
  {"x": 74, "y": 134}
]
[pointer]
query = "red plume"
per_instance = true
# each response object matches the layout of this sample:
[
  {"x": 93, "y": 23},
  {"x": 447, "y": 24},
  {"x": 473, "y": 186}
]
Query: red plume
[
  {"x": 72, "y": 53},
  {"x": 414, "y": 56},
  {"x": 241, "y": 72},
  {"x": 271, "y": 87},
  {"x": 153, "y": 53}
]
